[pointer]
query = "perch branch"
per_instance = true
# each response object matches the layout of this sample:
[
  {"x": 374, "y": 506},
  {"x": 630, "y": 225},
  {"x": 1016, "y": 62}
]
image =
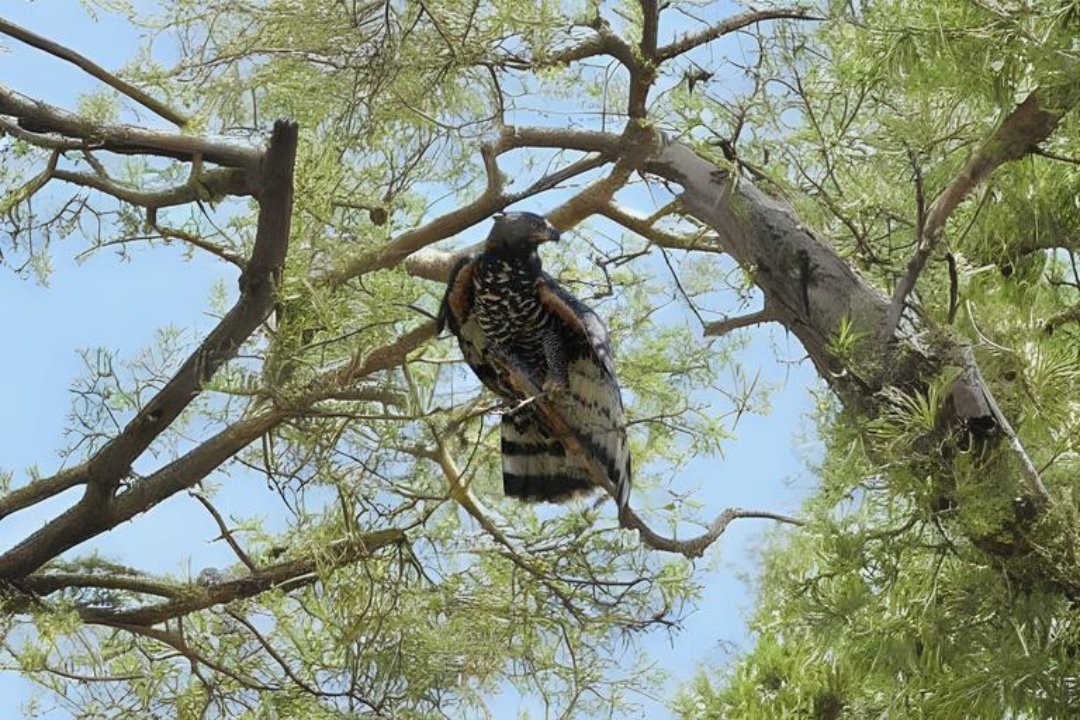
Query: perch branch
[{"x": 694, "y": 547}]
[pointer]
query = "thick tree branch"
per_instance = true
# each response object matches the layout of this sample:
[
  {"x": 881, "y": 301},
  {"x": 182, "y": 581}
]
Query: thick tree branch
[
  {"x": 643, "y": 73},
  {"x": 807, "y": 287},
  {"x": 84, "y": 63},
  {"x": 1018, "y": 134},
  {"x": 39, "y": 117},
  {"x": 811, "y": 291},
  {"x": 98, "y": 510},
  {"x": 48, "y": 142},
  {"x": 37, "y": 490}
]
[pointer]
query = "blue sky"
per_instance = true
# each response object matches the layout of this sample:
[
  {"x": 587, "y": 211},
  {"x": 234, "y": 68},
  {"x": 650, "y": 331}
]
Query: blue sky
[{"x": 118, "y": 305}]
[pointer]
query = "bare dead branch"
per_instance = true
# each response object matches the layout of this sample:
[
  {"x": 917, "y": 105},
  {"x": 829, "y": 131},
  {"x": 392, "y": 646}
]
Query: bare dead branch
[
  {"x": 1019, "y": 132},
  {"x": 84, "y": 63}
]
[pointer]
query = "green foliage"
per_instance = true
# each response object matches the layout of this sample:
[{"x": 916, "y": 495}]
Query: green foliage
[
  {"x": 920, "y": 587},
  {"x": 924, "y": 586}
]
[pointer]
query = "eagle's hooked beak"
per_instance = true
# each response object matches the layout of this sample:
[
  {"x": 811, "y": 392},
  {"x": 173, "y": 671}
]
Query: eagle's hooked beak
[{"x": 548, "y": 234}]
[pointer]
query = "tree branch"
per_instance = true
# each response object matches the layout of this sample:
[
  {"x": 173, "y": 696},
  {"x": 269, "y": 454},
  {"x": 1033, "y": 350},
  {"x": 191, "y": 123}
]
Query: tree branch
[
  {"x": 43, "y": 141},
  {"x": 643, "y": 72},
  {"x": 98, "y": 510},
  {"x": 492, "y": 200},
  {"x": 646, "y": 228},
  {"x": 48, "y": 583},
  {"x": 1031, "y": 122},
  {"x": 433, "y": 264},
  {"x": 226, "y": 534},
  {"x": 295, "y": 573},
  {"x": 41, "y": 117},
  {"x": 42, "y": 489},
  {"x": 723, "y": 327},
  {"x": 64, "y": 53},
  {"x": 629, "y": 519},
  {"x": 1031, "y": 473},
  {"x": 215, "y": 184},
  {"x": 690, "y": 41}
]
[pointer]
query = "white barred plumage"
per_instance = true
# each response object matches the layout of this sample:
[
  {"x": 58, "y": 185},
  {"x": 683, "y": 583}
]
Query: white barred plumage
[{"x": 500, "y": 303}]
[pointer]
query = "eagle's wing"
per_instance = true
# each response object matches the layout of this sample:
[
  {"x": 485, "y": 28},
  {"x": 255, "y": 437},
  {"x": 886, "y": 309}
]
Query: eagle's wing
[
  {"x": 593, "y": 405},
  {"x": 455, "y": 314}
]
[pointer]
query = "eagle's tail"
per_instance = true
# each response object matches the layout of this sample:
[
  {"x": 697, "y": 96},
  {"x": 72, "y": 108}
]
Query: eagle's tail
[{"x": 535, "y": 464}]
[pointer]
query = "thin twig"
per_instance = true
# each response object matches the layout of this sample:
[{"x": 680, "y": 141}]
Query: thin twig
[{"x": 226, "y": 534}]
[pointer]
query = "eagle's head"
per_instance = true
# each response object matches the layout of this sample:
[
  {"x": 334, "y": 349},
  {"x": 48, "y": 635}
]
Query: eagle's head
[{"x": 519, "y": 233}]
